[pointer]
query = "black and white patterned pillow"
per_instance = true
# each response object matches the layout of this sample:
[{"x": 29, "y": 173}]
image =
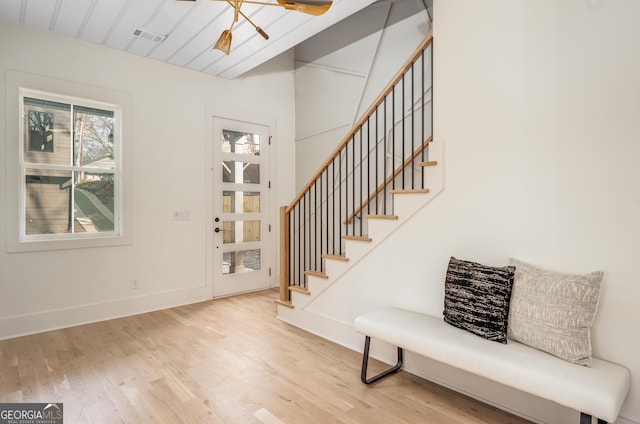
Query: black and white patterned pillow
[{"x": 476, "y": 298}]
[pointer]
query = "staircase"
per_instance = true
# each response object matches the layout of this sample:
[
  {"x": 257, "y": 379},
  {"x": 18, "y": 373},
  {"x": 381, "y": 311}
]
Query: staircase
[{"x": 383, "y": 171}]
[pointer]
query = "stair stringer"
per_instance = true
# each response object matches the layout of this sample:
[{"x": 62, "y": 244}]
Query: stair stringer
[{"x": 406, "y": 205}]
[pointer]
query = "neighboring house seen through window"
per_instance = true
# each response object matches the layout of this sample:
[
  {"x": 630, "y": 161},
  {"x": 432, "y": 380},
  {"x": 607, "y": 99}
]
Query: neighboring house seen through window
[
  {"x": 69, "y": 168},
  {"x": 40, "y": 134}
]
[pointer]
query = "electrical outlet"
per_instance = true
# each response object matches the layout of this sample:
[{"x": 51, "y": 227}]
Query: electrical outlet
[{"x": 135, "y": 284}]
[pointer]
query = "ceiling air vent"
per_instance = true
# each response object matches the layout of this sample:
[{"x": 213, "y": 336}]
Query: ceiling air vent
[{"x": 149, "y": 36}]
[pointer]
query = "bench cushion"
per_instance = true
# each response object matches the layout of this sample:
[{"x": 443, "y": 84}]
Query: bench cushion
[{"x": 599, "y": 390}]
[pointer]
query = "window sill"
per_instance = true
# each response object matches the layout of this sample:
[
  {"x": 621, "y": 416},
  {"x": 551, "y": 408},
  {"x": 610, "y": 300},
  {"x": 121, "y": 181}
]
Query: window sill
[{"x": 65, "y": 244}]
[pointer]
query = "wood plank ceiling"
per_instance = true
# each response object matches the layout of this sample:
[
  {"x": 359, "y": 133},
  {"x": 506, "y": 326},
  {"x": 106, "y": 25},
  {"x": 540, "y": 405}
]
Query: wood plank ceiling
[{"x": 191, "y": 28}]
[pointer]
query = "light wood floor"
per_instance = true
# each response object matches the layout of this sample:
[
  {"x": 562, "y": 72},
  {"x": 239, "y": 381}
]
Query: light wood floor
[{"x": 223, "y": 361}]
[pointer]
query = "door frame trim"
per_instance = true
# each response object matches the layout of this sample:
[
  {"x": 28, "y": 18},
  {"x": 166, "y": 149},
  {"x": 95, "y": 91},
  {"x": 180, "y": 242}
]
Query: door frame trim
[{"x": 254, "y": 119}]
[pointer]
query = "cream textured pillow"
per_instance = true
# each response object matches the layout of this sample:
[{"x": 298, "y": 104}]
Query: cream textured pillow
[{"x": 553, "y": 312}]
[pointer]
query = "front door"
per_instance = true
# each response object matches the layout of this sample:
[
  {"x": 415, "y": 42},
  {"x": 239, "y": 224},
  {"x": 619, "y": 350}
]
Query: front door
[{"x": 240, "y": 207}]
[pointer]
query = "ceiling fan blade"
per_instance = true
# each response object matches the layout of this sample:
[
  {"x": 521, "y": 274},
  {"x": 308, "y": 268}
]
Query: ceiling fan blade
[{"x": 310, "y": 9}]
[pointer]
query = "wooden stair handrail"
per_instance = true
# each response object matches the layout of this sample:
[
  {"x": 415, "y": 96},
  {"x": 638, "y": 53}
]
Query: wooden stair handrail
[
  {"x": 388, "y": 180},
  {"x": 356, "y": 127}
]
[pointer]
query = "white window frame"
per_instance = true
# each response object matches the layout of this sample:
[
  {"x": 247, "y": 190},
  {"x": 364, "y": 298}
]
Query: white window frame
[{"x": 20, "y": 85}]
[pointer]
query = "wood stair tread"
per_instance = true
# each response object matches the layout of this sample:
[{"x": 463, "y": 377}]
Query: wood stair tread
[
  {"x": 299, "y": 289},
  {"x": 357, "y": 238},
  {"x": 390, "y": 217},
  {"x": 336, "y": 257},
  {"x": 316, "y": 274},
  {"x": 285, "y": 303},
  {"x": 410, "y": 191},
  {"x": 429, "y": 163}
]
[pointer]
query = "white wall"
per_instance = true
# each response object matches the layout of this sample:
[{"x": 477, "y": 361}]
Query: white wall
[
  {"x": 43, "y": 290},
  {"x": 537, "y": 106},
  {"x": 341, "y": 71}
]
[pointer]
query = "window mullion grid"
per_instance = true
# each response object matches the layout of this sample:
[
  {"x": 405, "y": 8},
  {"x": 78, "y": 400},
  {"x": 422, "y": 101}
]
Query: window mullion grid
[
  {"x": 31, "y": 168},
  {"x": 53, "y": 167}
]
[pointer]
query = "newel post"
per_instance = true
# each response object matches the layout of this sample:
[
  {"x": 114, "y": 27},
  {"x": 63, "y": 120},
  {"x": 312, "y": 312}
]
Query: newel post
[{"x": 284, "y": 254}]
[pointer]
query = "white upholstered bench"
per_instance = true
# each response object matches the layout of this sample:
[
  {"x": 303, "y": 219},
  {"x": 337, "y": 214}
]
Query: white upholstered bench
[{"x": 597, "y": 391}]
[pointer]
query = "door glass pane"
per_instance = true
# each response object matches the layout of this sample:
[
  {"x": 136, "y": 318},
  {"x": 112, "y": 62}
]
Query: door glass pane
[
  {"x": 240, "y": 201},
  {"x": 241, "y": 231},
  {"x": 240, "y": 142},
  {"x": 240, "y": 261},
  {"x": 240, "y": 172}
]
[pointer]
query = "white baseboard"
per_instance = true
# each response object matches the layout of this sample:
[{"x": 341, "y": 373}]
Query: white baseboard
[{"x": 23, "y": 325}]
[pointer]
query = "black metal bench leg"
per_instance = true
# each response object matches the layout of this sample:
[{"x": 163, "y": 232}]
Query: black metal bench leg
[
  {"x": 365, "y": 363},
  {"x": 586, "y": 419}
]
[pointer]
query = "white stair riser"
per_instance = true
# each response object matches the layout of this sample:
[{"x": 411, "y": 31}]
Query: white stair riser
[
  {"x": 380, "y": 228},
  {"x": 300, "y": 300}
]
